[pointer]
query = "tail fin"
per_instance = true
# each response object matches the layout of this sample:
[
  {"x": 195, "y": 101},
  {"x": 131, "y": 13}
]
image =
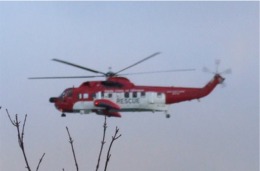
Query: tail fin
[{"x": 217, "y": 79}]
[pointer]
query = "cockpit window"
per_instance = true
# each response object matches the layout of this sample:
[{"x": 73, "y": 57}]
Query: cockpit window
[{"x": 67, "y": 93}]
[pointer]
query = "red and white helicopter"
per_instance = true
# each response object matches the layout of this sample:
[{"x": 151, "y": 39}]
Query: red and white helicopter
[{"x": 118, "y": 94}]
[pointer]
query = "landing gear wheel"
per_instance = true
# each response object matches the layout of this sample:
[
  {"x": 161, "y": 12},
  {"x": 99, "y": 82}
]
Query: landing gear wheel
[
  {"x": 63, "y": 115},
  {"x": 168, "y": 115}
]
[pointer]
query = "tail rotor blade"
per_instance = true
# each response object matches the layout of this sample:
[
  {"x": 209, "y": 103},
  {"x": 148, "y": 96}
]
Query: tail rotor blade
[
  {"x": 217, "y": 63},
  {"x": 227, "y": 71},
  {"x": 205, "y": 69}
]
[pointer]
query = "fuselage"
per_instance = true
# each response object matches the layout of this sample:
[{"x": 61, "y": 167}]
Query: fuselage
[{"x": 118, "y": 94}]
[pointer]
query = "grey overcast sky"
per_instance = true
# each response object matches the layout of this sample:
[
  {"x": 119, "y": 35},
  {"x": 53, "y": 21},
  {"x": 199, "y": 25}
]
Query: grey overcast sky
[{"x": 219, "y": 133}]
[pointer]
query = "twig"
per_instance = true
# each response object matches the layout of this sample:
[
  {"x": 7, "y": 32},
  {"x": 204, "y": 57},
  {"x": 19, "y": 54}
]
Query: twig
[
  {"x": 115, "y": 137},
  {"x": 40, "y": 162},
  {"x": 102, "y": 142},
  {"x": 12, "y": 121},
  {"x": 71, "y": 143}
]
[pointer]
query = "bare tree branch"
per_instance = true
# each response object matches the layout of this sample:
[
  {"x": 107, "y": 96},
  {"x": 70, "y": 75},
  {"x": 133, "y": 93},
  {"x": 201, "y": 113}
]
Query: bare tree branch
[
  {"x": 115, "y": 137},
  {"x": 102, "y": 142},
  {"x": 20, "y": 136},
  {"x": 16, "y": 123},
  {"x": 73, "y": 151}
]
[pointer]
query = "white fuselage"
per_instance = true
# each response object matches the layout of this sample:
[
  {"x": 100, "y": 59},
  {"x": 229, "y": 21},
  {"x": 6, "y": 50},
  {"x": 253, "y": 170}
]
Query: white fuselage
[{"x": 128, "y": 101}]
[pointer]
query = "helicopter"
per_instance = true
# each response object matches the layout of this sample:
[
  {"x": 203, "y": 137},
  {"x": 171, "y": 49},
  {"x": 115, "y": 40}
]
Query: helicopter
[{"x": 118, "y": 94}]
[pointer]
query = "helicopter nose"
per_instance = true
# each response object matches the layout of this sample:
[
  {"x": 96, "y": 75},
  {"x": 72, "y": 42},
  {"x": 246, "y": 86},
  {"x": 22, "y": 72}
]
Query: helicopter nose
[{"x": 53, "y": 99}]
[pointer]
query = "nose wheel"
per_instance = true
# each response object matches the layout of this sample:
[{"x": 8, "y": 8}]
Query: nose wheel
[{"x": 63, "y": 115}]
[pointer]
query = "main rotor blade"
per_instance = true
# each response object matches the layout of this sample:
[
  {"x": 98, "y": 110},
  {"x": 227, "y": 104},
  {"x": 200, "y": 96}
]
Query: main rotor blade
[
  {"x": 66, "y": 77},
  {"x": 153, "y": 55},
  {"x": 155, "y": 72},
  {"x": 78, "y": 66}
]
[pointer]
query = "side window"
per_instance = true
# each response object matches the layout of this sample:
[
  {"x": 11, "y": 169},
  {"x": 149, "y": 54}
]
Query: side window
[
  {"x": 85, "y": 95},
  {"x": 159, "y": 95},
  {"x": 80, "y": 96},
  {"x": 99, "y": 95},
  {"x": 126, "y": 94},
  {"x": 134, "y": 94},
  {"x": 107, "y": 95},
  {"x": 142, "y": 94}
]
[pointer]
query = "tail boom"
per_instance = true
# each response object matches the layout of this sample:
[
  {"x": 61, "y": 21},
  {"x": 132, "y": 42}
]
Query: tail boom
[{"x": 186, "y": 94}]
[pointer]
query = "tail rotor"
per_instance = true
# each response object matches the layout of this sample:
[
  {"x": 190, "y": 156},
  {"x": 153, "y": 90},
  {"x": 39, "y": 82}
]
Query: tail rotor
[{"x": 217, "y": 72}]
